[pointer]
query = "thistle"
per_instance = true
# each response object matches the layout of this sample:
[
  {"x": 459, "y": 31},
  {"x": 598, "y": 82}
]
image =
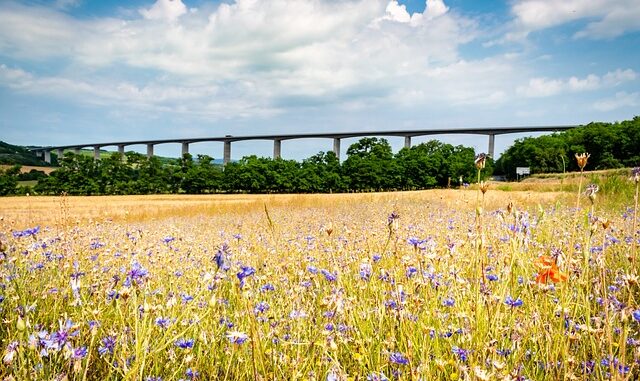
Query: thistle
[
  {"x": 480, "y": 161},
  {"x": 591, "y": 191},
  {"x": 582, "y": 160}
]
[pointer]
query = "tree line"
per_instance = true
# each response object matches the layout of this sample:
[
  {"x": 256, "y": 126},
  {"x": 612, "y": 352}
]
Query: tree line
[
  {"x": 611, "y": 145},
  {"x": 370, "y": 166}
]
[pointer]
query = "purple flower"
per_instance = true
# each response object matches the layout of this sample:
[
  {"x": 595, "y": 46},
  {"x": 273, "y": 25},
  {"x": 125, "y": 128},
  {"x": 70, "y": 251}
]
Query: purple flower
[
  {"x": 329, "y": 276},
  {"x": 377, "y": 377},
  {"x": 79, "y": 353},
  {"x": 245, "y": 271},
  {"x": 136, "y": 275},
  {"x": 184, "y": 343},
  {"x": 192, "y": 373},
  {"x": 398, "y": 358},
  {"x": 312, "y": 269},
  {"x": 168, "y": 239},
  {"x": 261, "y": 307},
  {"x": 411, "y": 271},
  {"x": 392, "y": 217},
  {"x": 237, "y": 337},
  {"x": 513, "y": 302},
  {"x": 376, "y": 258},
  {"x": 163, "y": 322},
  {"x": 448, "y": 302},
  {"x": 462, "y": 354},
  {"x": 415, "y": 241},
  {"x": 108, "y": 345},
  {"x": 365, "y": 271},
  {"x": 492, "y": 277},
  {"x": 267, "y": 287},
  {"x": 636, "y": 315},
  {"x": 26, "y": 232}
]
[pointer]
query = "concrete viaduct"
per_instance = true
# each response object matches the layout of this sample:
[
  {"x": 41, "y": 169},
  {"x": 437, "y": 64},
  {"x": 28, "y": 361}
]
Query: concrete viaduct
[{"x": 491, "y": 132}]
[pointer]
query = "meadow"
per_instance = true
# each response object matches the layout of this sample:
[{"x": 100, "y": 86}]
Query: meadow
[{"x": 453, "y": 284}]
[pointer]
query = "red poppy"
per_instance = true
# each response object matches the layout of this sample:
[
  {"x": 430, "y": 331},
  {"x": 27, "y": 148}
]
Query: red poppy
[{"x": 548, "y": 269}]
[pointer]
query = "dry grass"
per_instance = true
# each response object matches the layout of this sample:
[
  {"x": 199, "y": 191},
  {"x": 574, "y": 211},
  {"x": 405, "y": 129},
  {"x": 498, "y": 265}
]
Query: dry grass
[
  {"x": 27, "y": 211},
  {"x": 28, "y": 168}
]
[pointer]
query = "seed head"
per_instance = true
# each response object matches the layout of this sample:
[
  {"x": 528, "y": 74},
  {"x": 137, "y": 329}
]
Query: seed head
[
  {"x": 582, "y": 159},
  {"x": 484, "y": 187},
  {"x": 591, "y": 191},
  {"x": 635, "y": 175},
  {"x": 480, "y": 161}
]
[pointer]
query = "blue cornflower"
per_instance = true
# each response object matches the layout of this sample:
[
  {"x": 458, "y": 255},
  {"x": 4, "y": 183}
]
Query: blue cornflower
[
  {"x": 462, "y": 354},
  {"x": 392, "y": 217},
  {"x": 163, "y": 322},
  {"x": 415, "y": 241},
  {"x": 267, "y": 287},
  {"x": 636, "y": 315},
  {"x": 26, "y": 232},
  {"x": 411, "y": 271},
  {"x": 186, "y": 298},
  {"x": 377, "y": 377},
  {"x": 312, "y": 269},
  {"x": 245, "y": 271},
  {"x": 398, "y": 358},
  {"x": 79, "y": 353},
  {"x": 329, "y": 276},
  {"x": 448, "y": 302},
  {"x": 219, "y": 257},
  {"x": 513, "y": 302},
  {"x": 184, "y": 343},
  {"x": 108, "y": 345},
  {"x": 261, "y": 307},
  {"x": 376, "y": 258},
  {"x": 95, "y": 244},
  {"x": 237, "y": 337},
  {"x": 136, "y": 275},
  {"x": 192, "y": 373},
  {"x": 168, "y": 239},
  {"x": 365, "y": 271},
  {"x": 492, "y": 277}
]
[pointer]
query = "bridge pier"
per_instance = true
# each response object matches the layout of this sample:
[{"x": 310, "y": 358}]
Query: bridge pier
[
  {"x": 121, "y": 149},
  {"x": 96, "y": 152},
  {"x": 185, "y": 148},
  {"x": 76, "y": 150},
  {"x": 277, "y": 148},
  {"x": 47, "y": 156},
  {"x": 60, "y": 153},
  {"x": 149, "y": 151},
  {"x": 226, "y": 158},
  {"x": 407, "y": 142},
  {"x": 492, "y": 143},
  {"x": 336, "y": 147}
]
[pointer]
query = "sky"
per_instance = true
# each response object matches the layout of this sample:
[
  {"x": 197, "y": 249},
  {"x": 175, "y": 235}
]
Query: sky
[{"x": 89, "y": 71}]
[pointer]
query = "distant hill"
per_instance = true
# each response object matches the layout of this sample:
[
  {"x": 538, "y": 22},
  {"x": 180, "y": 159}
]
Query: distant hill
[{"x": 10, "y": 154}]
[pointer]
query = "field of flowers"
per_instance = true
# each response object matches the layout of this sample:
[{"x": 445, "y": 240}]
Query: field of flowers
[{"x": 451, "y": 285}]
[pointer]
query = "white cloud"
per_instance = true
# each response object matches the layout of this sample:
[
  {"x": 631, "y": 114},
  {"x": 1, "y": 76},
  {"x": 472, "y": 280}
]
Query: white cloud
[
  {"x": 545, "y": 87},
  {"x": 605, "y": 18},
  {"x": 620, "y": 100},
  {"x": 164, "y": 10},
  {"x": 265, "y": 55}
]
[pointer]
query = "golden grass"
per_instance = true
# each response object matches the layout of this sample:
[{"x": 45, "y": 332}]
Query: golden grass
[
  {"x": 30, "y": 210},
  {"x": 28, "y": 168}
]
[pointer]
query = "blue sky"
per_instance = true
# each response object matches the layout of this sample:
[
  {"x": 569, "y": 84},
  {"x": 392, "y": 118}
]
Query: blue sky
[{"x": 84, "y": 71}]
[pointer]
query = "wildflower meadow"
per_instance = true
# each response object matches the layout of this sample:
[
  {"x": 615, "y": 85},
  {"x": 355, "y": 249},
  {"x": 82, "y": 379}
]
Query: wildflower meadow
[{"x": 458, "y": 284}]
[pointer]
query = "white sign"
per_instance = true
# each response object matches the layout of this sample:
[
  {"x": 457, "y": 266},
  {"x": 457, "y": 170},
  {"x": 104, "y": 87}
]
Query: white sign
[{"x": 523, "y": 171}]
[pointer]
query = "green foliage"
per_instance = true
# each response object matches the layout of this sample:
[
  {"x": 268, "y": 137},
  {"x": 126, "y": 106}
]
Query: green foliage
[
  {"x": 611, "y": 145},
  {"x": 9, "y": 180},
  {"x": 10, "y": 154},
  {"x": 370, "y": 166}
]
